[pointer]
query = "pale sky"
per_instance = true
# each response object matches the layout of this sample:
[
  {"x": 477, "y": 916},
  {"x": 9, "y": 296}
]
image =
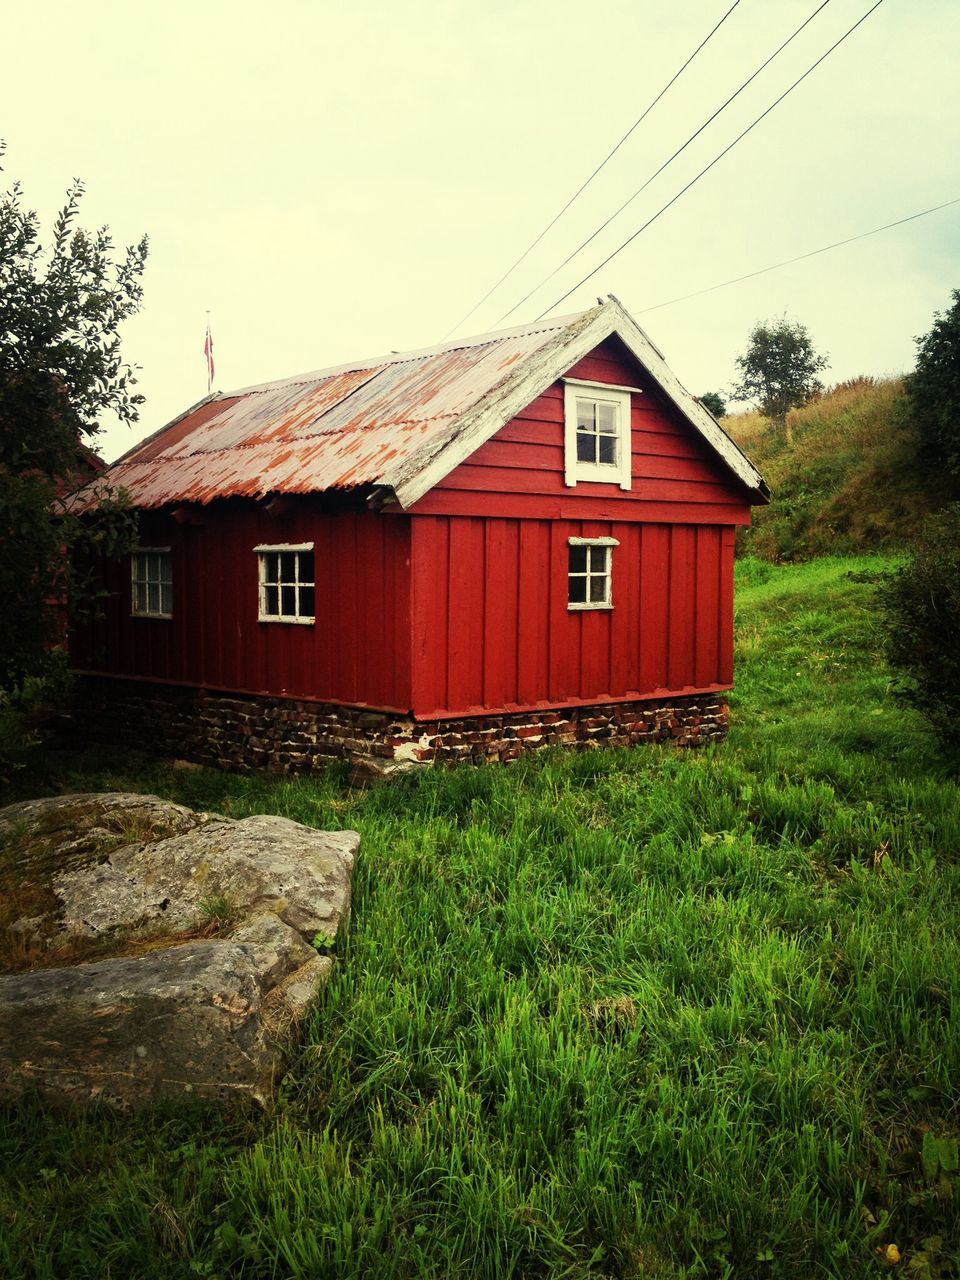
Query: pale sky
[{"x": 334, "y": 180}]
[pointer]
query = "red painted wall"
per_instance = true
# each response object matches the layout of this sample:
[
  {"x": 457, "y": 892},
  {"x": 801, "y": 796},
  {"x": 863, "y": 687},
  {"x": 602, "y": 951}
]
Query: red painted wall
[
  {"x": 492, "y": 629},
  {"x": 519, "y": 472},
  {"x": 358, "y": 650}
]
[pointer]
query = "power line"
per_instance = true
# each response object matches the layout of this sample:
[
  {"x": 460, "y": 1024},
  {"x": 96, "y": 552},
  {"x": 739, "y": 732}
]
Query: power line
[
  {"x": 616, "y": 213},
  {"x": 715, "y": 160},
  {"x": 608, "y": 157},
  {"x": 799, "y": 258}
]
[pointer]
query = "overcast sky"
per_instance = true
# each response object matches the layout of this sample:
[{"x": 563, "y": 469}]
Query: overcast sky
[{"x": 336, "y": 180}]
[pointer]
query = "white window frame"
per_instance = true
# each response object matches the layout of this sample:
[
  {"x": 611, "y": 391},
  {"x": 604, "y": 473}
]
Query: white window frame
[
  {"x": 578, "y": 606},
  {"x": 297, "y": 619},
  {"x": 137, "y": 580},
  {"x": 618, "y": 472}
]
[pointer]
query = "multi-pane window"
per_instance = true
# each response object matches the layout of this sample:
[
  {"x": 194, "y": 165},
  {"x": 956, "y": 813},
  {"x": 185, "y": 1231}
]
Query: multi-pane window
[
  {"x": 151, "y": 583},
  {"x": 589, "y": 573},
  {"x": 597, "y": 433},
  {"x": 286, "y": 583}
]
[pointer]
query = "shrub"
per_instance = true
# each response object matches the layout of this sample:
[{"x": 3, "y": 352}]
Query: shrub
[
  {"x": 934, "y": 389},
  {"x": 922, "y": 605}
]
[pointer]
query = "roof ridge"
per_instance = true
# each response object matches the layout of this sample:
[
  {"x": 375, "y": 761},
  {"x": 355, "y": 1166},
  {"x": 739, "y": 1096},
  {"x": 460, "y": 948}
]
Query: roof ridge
[{"x": 376, "y": 363}]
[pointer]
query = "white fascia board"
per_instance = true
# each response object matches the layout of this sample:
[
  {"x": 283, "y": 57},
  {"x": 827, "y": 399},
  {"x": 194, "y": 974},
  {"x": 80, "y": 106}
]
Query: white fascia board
[
  {"x": 700, "y": 418},
  {"x": 418, "y": 474}
]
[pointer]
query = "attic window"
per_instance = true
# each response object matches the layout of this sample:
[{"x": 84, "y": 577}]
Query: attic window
[
  {"x": 286, "y": 582},
  {"x": 151, "y": 583},
  {"x": 589, "y": 573},
  {"x": 597, "y": 433}
]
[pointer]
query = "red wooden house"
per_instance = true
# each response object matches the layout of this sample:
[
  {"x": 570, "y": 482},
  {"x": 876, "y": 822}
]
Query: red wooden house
[{"x": 500, "y": 543}]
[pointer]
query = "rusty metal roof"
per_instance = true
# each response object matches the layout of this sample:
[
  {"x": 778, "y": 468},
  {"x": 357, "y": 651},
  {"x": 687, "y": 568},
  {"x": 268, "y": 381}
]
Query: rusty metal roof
[{"x": 377, "y": 423}]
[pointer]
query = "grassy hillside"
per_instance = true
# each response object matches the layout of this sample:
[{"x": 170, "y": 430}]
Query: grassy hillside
[
  {"x": 849, "y": 483},
  {"x": 634, "y": 1014}
]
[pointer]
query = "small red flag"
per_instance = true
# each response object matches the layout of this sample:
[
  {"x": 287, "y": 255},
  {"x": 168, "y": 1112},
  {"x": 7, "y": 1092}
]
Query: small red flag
[{"x": 208, "y": 352}]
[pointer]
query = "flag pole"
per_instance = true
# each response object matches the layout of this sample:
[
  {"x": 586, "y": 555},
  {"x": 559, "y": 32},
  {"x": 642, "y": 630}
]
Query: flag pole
[{"x": 208, "y": 352}]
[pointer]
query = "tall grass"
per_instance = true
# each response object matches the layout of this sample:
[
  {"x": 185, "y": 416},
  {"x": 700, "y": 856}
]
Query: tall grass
[
  {"x": 625, "y": 1014},
  {"x": 850, "y": 482}
]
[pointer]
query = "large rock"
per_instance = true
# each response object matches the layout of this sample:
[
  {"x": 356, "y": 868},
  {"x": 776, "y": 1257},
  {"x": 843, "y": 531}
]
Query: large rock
[
  {"x": 223, "y": 868},
  {"x": 208, "y": 1018}
]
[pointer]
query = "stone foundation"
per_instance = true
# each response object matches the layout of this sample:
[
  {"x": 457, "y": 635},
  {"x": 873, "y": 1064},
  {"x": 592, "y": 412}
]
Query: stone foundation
[{"x": 243, "y": 732}]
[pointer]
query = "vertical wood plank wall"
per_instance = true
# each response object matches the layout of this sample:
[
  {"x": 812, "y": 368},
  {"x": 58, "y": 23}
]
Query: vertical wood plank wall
[
  {"x": 492, "y": 630},
  {"x": 357, "y": 651}
]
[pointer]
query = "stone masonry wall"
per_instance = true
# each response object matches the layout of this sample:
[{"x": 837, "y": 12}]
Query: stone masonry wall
[{"x": 244, "y": 732}]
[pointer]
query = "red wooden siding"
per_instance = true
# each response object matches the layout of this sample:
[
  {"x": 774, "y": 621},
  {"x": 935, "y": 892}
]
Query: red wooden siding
[
  {"x": 493, "y": 632},
  {"x": 357, "y": 651},
  {"x": 520, "y": 471}
]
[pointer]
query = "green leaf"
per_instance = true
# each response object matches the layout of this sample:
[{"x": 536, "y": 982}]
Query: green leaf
[{"x": 930, "y": 1156}]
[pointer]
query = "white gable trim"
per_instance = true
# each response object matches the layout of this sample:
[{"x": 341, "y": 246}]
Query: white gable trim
[{"x": 429, "y": 465}]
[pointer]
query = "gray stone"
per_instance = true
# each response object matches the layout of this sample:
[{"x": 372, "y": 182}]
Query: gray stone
[
  {"x": 178, "y": 1023},
  {"x": 236, "y": 868},
  {"x": 208, "y": 1018}
]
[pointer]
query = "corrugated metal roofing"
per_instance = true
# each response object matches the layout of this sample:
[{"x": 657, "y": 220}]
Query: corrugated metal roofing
[
  {"x": 396, "y": 422},
  {"x": 332, "y": 429}
]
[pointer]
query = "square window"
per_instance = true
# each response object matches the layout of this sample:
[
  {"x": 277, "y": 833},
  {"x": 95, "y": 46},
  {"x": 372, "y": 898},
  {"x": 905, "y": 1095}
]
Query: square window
[
  {"x": 589, "y": 573},
  {"x": 597, "y": 434},
  {"x": 287, "y": 584},
  {"x": 151, "y": 583}
]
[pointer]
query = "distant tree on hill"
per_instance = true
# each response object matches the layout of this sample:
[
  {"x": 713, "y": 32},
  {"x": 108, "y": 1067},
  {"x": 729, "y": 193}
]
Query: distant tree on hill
[
  {"x": 61, "y": 306},
  {"x": 778, "y": 370},
  {"x": 934, "y": 389},
  {"x": 715, "y": 402}
]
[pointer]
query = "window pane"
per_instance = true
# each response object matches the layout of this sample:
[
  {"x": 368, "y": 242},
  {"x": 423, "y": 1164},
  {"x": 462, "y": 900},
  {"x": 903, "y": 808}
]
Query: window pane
[
  {"x": 288, "y": 601},
  {"x": 140, "y": 598},
  {"x": 598, "y": 559},
  {"x": 166, "y": 598},
  {"x": 586, "y": 415},
  {"x": 586, "y": 448},
  {"x": 305, "y": 568},
  {"x": 271, "y": 601},
  {"x": 607, "y": 418},
  {"x": 288, "y": 566},
  {"x": 576, "y": 590},
  {"x": 306, "y": 602},
  {"x": 608, "y": 449},
  {"x": 153, "y": 598},
  {"x": 598, "y": 590},
  {"x": 577, "y": 562}
]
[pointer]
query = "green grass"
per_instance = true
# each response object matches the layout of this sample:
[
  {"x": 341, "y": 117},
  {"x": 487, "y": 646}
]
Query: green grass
[
  {"x": 850, "y": 482},
  {"x": 628, "y": 1014}
]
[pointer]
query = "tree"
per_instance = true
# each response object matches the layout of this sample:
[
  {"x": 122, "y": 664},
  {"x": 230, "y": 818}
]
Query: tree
[
  {"x": 779, "y": 369},
  {"x": 61, "y": 308},
  {"x": 934, "y": 389},
  {"x": 715, "y": 403},
  {"x": 921, "y": 603}
]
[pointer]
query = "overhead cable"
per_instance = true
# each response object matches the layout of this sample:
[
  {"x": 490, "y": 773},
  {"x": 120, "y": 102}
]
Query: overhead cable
[
  {"x": 670, "y": 159},
  {"x": 799, "y": 258},
  {"x": 608, "y": 157},
  {"x": 707, "y": 168}
]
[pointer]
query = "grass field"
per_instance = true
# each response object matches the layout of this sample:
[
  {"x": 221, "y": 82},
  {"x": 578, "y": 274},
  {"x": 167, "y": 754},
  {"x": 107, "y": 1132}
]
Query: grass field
[
  {"x": 853, "y": 478},
  {"x": 633, "y": 1014}
]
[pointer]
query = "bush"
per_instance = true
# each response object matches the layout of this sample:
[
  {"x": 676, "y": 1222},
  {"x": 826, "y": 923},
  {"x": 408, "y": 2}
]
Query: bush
[
  {"x": 27, "y": 710},
  {"x": 922, "y": 605},
  {"x": 934, "y": 389}
]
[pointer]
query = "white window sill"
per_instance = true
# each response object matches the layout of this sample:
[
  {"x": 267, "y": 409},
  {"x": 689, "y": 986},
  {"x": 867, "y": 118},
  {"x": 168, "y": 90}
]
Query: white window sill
[
  {"x": 588, "y": 607},
  {"x": 152, "y": 617},
  {"x": 297, "y": 622}
]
